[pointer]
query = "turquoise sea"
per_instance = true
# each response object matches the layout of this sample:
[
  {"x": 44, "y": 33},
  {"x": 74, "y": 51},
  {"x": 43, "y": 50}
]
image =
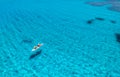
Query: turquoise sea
[{"x": 80, "y": 40}]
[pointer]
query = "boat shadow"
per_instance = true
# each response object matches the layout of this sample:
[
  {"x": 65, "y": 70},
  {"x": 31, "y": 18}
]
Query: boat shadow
[{"x": 35, "y": 54}]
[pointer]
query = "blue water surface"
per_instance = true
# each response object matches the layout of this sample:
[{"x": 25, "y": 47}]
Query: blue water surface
[{"x": 79, "y": 39}]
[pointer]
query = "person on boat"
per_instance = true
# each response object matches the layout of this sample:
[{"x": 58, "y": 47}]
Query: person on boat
[
  {"x": 35, "y": 47},
  {"x": 39, "y": 45}
]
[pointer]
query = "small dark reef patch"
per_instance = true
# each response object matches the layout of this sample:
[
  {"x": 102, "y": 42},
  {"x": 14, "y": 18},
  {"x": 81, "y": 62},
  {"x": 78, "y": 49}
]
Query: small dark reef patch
[
  {"x": 112, "y": 21},
  {"x": 27, "y": 41},
  {"x": 98, "y": 18},
  {"x": 117, "y": 37},
  {"x": 90, "y": 21}
]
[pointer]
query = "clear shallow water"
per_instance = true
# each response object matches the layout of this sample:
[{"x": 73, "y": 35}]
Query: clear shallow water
[{"x": 72, "y": 47}]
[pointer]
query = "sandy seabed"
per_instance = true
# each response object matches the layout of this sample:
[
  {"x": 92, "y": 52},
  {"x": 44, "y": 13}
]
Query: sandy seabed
[{"x": 79, "y": 40}]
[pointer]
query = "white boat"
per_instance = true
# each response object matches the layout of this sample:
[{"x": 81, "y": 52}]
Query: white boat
[{"x": 37, "y": 47}]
